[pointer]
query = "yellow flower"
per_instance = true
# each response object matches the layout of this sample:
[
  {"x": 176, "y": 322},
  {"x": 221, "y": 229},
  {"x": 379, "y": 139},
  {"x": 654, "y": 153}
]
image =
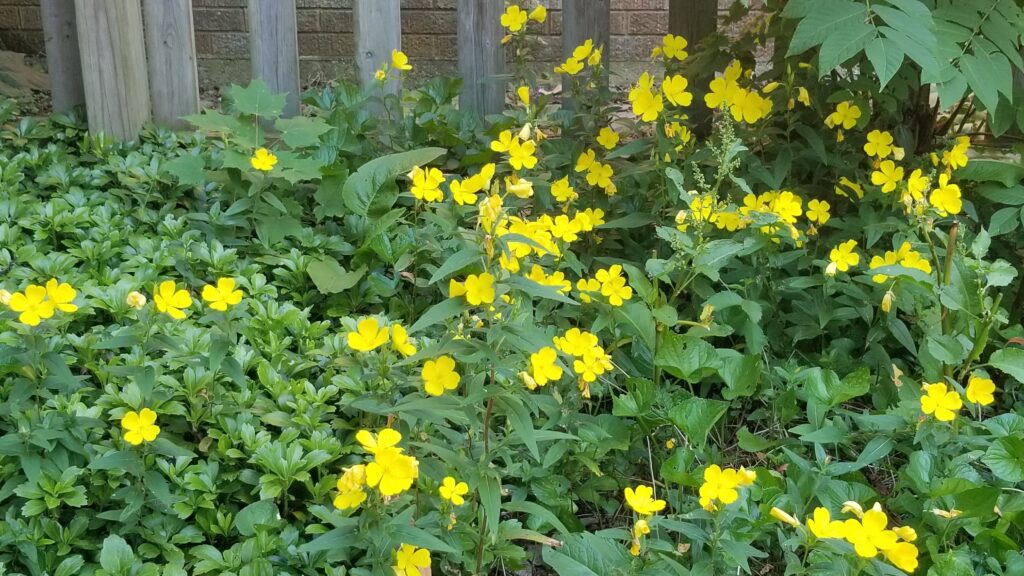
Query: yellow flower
[
  {"x": 399, "y": 61},
  {"x": 462, "y": 192},
  {"x": 222, "y": 295},
  {"x": 543, "y": 368},
  {"x": 570, "y": 67},
  {"x": 586, "y": 160},
  {"x": 847, "y": 184},
  {"x": 170, "y": 300},
  {"x": 561, "y": 191},
  {"x": 980, "y": 390},
  {"x": 426, "y": 184},
  {"x": 32, "y": 305},
  {"x": 539, "y": 14},
  {"x": 380, "y": 75},
  {"x": 902, "y": 555},
  {"x": 946, "y": 197},
  {"x": 647, "y": 104},
  {"x": 595, "y": 57},
  {"x": 521, "y": 154},
  {"x": 409, "y": 559},
  {"x": 263, "y": 160},
  {"x": 600, "y": 175},
  {"x": 674, "y": 47},
  {"x": 641, "y": 528},
  {"x": 140, "y": 426},
  {"x": 391, "y": 471},
  {"x": 803, "y": 96},
  {"x": 524, "y": 95},
  {"x": 957, "y": 156},
  {"x": 453, "y": 491},
  {"x": 674, "y": 88},
  {"x": 852, "y": 507},
  {"x": 917, "y": 184},
  {"x": 842, "y": 257},
  {"x": 583, "y": 50},
  {"x": 400, "y": 341},
  {"x": 587, "y": 287},
  {"x": 947, "y": 514},
  {"x": 504, "y": 142},
  {"x": 440, "y": 375},
  {"x": 722, "y": 92},
  {"x": 719, "y": 485},
  {"x": 642, "y": 500},
  {"x": 565, "y": 229},
  {"x": 906, "y": 533},
  {"x": 784, "y": 517},
  {"x": 590, "y": 218},
  {"x": 817, "y": 211},
  {"x": 350, "y": 488},
  {"x": 575, "y": 342},
  {"x": 749, "y": 106},
  {"x": 520, "y": 187},
  {"x": 786, "y": 205},
  {"x": 822, "y": 525},
  {"x": 941, "y": 402},
  {"x": 879, "y": 144},
  {"x": 608, "y": 138},
  {"x": 869, "y": 535},
  {"x": 479, "y": 289},
  {"x": 374, "y": 443},
  {"x": 368, "y": 335},
  {"x": 514, "y": 18},
  {"x": 592, "y": 364},
  {"x": 136, "y": 300},
  {"x": 613, "y": 285},
  {"x": 845, "y": 116},
  {"x": 887, "y": 299},
  {"x": 888, "y": 176},
  {"x": 61, "y": 295}
]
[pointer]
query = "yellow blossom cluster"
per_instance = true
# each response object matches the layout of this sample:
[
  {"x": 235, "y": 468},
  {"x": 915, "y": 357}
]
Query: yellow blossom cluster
[
  {"x": 585, "y": 54},
  {"x": 726, "y": 94},
  {"x": 37, "y": 303},
  {"x": 609, "y": 283},
  {"x": 598, "y": 173},
  {"x": 943, "y": 402},
  {"x": 370, "y": 335},
  {"x": 904, "y": 256},
  {"x": 391, "y": 471},
  {"x": 589, "y": 360},
  {"x": 721, "y": 485},
  {"x": 515, "y": 18},
  {"x": 643, "y": 502}
]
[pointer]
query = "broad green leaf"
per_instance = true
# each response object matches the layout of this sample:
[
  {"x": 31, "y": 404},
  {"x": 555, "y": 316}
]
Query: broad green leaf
[
  {"x": 823, "y": 19},
  {"x": 330, "y": 278},
  {"x": 522, "y": 423},
  {"x": 438, "y": 313},
  {"x": 1005, "y": 458},
  {"x": 116, "y": 556},
  {"x": 696, "y": 416},
  {"x": 686, "y": 357},
  {"x": 844, "y": 44},
  {"x": 456, "y": 262},
  {"x": 300, "y": 131},
  {"x": 741, "y": 375},
  {"x": 886, "y": 56},
  {"x": 256, "y": 99},
  {"x": 534, "y": 509},
  {"x": 1010, "y": 361},
  {"x": 564, "y": 565},
  {"x": 361, "y": 193},
  {"x": 342, "y": 536},
  {"x": 262, "y": 512},
  {"x": 983, "y": 170},
  {"x": 187, "y": 169}
]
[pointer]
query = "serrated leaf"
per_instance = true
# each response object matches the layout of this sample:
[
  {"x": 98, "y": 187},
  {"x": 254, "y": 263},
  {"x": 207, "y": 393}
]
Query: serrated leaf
[
  {"x": 187, "y": 169},
  {"x": 256, "y": 99},
  {"x": 300, "y": 131},
  {"x": 696, "y": 416}
]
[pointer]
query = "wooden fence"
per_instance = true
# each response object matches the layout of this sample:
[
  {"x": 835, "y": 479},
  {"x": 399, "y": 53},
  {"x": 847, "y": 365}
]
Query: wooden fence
[{"x": 100, "y": 54}]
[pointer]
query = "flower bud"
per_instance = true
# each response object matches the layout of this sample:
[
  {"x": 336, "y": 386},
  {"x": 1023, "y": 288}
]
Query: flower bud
[
  {"x": 136, "y": 299},
  {"x": 5, "y": 297},
  {"x": 887, "y": 301}
]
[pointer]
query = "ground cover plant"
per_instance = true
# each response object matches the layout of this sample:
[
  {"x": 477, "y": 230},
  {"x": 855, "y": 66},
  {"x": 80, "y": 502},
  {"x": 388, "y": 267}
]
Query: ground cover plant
[{"x": 764, "y": 321}]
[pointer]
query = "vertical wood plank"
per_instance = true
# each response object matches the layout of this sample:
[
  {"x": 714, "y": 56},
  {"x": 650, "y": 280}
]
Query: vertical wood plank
[
  {"x": 171, "y": 54},
  {"x": 584, "y": 20},
  {"x": 62, "y": 58},
  {"x": 481, "y": 55},
  {"x": 113, "y": 54},
  {"x": 694, "y": 20},
  {"x": 274, "y": 48},
  {"x": 378, "y": 27}
]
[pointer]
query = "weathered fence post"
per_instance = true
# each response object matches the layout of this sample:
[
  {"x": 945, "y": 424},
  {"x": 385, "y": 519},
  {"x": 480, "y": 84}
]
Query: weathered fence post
[
  {"x": 171, "y": 53},
  {"x": 274, "y": 48},
  {"x": 114, "y": 63},
  {"x": 481, "y": 55},
  {"x": 584, "y": 20},
  {"x": 695, "y": 20},
  {"x": 378, "y": 26},
  {"x": 62, "y": 58}
]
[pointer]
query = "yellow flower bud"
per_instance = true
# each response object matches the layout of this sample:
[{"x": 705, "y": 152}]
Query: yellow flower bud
[
  {"x": 887, "y": 301},
  {"x": 784, "y": 517},
  {"x": 136, "y": 300},
  {"x": 5, "y": 297}
]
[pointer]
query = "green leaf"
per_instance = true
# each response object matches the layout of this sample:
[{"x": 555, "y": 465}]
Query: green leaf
[
  {"x": 752, "y": 442},
  {"x": 564, "y": 565},
  {"x": 490, "y": 497},
  {"x": 1005, "y": 458},
  {"x": 633, "y": 220},
  {"x": 331, "y": 278},
  {"x": 741, "y": 374},
  {"x": 536, "y": 290},
  {"x": 522, "y": 423},
  {"x": 257, "y": 100},
  {"x": 844, "y": 44},
  {"x": 438, "y": 313},
  {"x": 116, "y": 556},
  {"x": 362, "y": 191},
  {"x": 686, "y": 357},
  {"x": 981, "y": 170},
  {"x": 534, "y": 509},
  {"x": 187, "y": 169},
  {"x": 262, "y": 512},
  {"x": 117, "y": 460},
  {"x": 69, "y": 566},
  {"x": 340, "y": 537},
  {"x": 887, "y": 57},
  {"x": 1010, "y": 361},
  {"x": 826, "y": 387},
  {"x": 408, "y": 534},
  {"x": 696, "y": 416},
  {"x": 300, "y": 131},
  {"x": 823, "y": 19},
  {"x": 985, "y": 75},
  {"x": 456, "y": 262}
]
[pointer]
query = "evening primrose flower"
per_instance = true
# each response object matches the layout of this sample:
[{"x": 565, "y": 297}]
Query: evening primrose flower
[
  {"x": 845, "y": 116},
  {"x": 561, "y": 191},
  {"x": 400, "y": 341},
  {"x": 613, "y": 285},
  {"x": 543, "y": 367},
  {"x": 879, "y": 144},
  {"x": 514, "y": 18},
  {"x": 674, "y": 88},
  {"x": 61, "y": 295},
  {"x": 440, "y": 375},
  {"x": 374, "y": 443},
  {"x": 888, "y": 176},
  {"x": 263, "y": 160},
  {"x": 946, "y": 197},
  {"x": 426, "y": 184},
  {"x": 136, "y": 299},
  {"x": 350, "y": 488},
  {"x": 980, "y": 390},
  {"x": 608, "y": 138},
  {"x": 140, "y": 426},
  {"x": 521, "y": 154},
  {"x": 902, "y": 555},
  {"x": 817, "y": 211},
  {"x": 823, "y": 526},
  {"x": 647, "y": 105},
  {"x": 570, "y": 67},
  {"x": 575, "y": 342},
  {"x": 941, "y": 402},
  {"x": 869, "y": 536},
  {"x": 170, "y": 300},
  {"x": 32, "y": 305},
  {"x": 223, "y": 295},
  {"x": 408, "y": 558},
  {"x": 842, "y": 257},
  {"x": 719, "y": 484},
  {"x": 722, "y": 92},
  {"x": 399, "y": 61},
  {"x": 784, "y": 517},
  {"x": 600, "y": 175},
  {"x": 479, "y": 289},
  {"x": 749, "y": 106},
  {"x": 917, "y": 184},
  {"x": 453, "y": 491},
  {"x": 642, "y": 501},
  {"x": 369, "y": 334},
  {"x": 539, "y": 14},
  {"x": 674, "y": 47}
]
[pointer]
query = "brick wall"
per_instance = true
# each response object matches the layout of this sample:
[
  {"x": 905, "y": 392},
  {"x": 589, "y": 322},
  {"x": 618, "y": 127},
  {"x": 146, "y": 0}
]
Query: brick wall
[{"x": 326, "y": 40}]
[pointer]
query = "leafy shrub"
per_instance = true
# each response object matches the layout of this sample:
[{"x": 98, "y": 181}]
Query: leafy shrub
[{"x": 392, "y": 337}]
